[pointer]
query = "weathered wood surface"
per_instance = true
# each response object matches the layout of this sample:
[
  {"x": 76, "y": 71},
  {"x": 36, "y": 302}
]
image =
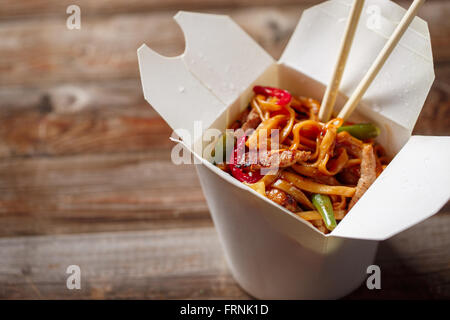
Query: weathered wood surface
[
  {"x": 85, "y": 171},
  {"x": 105, "y": 47},
  {"x": 12, "y": 9},
  {"x": 91, "y": 193},
  {"x": 114, "y": 117},
  {"x": 188, "y": 263}
]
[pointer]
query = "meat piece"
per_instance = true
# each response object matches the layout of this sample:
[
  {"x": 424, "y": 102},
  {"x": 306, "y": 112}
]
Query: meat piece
[
  {"x": 368, "y": 173},
  {"x": 350, "y": 175},
  {"x": 283, "y": 158},
  {"x": 252, "y": 120},
  {"x": 275, "y": 158},
  {"x": 242, "y": 118},
  {"x": 244, "y": 115},
  {"x": 283, "y": 199},
  {"x": 349, "y": 143}
]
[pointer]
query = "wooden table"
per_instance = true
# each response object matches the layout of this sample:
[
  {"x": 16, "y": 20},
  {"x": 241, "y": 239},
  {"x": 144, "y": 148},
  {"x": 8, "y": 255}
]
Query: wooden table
[{"x": 85, "y": 173}]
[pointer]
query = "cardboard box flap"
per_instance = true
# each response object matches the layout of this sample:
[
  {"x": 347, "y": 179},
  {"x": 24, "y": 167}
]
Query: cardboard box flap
[
  {"x": 400, "y": 89},
  {"x": 220, "y": 54},
  {"x": 414, "y": 186},
  {"x": 178, "y": 96}
]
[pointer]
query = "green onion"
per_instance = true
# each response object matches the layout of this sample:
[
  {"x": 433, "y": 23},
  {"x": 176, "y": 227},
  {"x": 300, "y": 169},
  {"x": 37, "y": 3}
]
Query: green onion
[
  {"x": 223, "y": 148},
  {"x": 362, "y": 131},
  {"x": 323, "y": 204}
]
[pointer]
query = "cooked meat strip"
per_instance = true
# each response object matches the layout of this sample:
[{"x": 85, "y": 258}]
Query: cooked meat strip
[
  {"x": 276, "y": 158},
  {"x": 283, "y": 199},
  {"x": 368, "y": 173},
  {"x": 350, "y": 175},
  {"x": 244, "y": 115},
  {"x": 351, "y": 144},
  {"x": 252, "y": 120},
  {"x": 242, "y": 119}
]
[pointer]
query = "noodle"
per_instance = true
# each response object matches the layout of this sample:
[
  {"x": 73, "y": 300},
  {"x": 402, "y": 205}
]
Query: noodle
[
  {"x": 311, "y": 186},
  {"x": 303, "y": 157},
  {"x": 287, "y": 129},
  {"x": 268, "y": 124},
  {"x": 293, "y": 191},
  {"x": 314, "y": 215}
]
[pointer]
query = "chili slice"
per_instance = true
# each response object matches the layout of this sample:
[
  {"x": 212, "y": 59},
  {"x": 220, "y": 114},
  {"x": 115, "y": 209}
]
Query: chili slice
[
  {"x": 283, "y": 95},
  {"x": 236, "y": 170}
]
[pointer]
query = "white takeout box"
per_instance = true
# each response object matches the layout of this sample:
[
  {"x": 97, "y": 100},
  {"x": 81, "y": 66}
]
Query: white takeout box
[{"x": 272, "y": 253}]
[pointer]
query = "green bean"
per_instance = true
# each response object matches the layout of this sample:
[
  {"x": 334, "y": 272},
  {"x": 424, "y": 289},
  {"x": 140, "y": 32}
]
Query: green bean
[
  {"x": 362, "y": 131},
  {"x": 223, "y": 148},
  {"x": 323, "y": 204}
]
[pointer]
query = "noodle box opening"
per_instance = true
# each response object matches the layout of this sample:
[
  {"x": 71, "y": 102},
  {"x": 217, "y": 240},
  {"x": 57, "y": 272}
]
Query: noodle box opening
[{"x": 273, "y": 253}]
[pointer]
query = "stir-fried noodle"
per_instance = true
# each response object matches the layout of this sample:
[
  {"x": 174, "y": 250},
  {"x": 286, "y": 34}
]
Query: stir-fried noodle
[{"x": 316, "y": 170}]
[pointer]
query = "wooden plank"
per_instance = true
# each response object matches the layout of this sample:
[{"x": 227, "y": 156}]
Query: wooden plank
[
  {"x": 12, "y": 9},
  {"x": 113, "y": 117},
  {"x": 89, "y": 193},
  {"x": 113, "y": 97},
  {"x": 188, "y": 263},
  {"x": 38, "y": 134},
  {"x": 150, "y": 264},
  {"x": 79, "y": 118},
  {"x": 45, "y": 51}
]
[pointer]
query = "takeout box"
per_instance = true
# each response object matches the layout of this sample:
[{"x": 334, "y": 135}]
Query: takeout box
[{"x": 272, "y": 253}]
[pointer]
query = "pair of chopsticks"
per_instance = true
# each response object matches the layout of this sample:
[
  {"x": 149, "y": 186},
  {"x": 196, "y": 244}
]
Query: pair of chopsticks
[{"x": 331, "y": 92}]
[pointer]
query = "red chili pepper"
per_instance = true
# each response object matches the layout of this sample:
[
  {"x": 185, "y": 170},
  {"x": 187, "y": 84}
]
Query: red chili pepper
[
  {"x": 238, "y": 172},
  {"x": 283, "y": 95}
]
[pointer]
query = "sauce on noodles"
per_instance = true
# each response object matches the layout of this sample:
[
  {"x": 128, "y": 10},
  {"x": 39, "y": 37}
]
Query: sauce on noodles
[{"x": 315, "y": 170}]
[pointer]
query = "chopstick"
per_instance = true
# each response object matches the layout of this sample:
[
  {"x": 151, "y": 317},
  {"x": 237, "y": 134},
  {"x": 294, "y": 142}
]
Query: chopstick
[
  {"x": 329, "y": 98},
  {"x": 362, "y": 87}
]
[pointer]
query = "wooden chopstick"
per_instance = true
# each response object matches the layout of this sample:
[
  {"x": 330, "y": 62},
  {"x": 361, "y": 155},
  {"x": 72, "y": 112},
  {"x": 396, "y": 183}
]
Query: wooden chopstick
[
  {"x": 380, "y": 60},
  {"x": 329, "y": 98}
]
